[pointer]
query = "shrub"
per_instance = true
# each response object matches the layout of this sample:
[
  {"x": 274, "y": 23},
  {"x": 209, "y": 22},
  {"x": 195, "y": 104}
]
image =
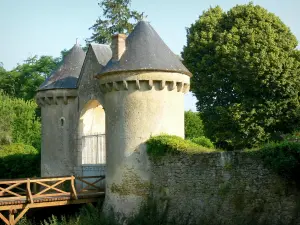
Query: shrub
[
  {"x": 283, "y": 158},
  {"x": 193, "y": 126},
  {"x": 19, "y": 161},
  {"x": 171, "y": 144},
  {"x": 203, "y": 141},
  {"x": 18, "y": 121},
  {"x": 26, "y": 126}
]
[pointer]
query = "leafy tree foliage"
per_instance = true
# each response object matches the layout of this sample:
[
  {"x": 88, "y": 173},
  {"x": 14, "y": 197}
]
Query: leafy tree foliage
[
  {"x": 23, "y": 80},
  {"x": 6, "y": 119},
  {"x": 193, "y": 126},
  {"x": 246, "y": 75},
  {"x": 118, "y": 18},
  {"x": 18, "y": 123}
]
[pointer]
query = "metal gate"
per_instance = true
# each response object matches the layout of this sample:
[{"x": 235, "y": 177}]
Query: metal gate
[
  {"x": 93, "y": 159},
  {"x": 93, "y": 149}
]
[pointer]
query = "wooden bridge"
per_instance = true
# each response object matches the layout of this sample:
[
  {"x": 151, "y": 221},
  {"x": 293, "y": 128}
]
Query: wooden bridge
[{"x": 17, "y": 196}]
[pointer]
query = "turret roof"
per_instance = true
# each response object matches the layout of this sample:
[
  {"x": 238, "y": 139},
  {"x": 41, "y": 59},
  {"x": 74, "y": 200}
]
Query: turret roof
[
  {"x": 66, "y": 75},
  {"x": 145, "y": 50}
]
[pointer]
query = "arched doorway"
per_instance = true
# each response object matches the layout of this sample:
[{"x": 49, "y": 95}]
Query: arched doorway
[
  {"x": 92, "y": 133},
  {"x": 92, "y": 147}
]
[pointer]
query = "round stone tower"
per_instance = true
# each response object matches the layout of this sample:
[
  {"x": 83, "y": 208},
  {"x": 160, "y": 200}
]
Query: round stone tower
[
  {"x": 57, "y": 99},
  {"x": 143, "y": 85}
]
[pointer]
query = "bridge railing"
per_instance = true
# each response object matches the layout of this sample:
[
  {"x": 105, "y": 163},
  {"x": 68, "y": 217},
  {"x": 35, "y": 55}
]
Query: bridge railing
[
  {"x": 23, "y": 194},
  {"x": 38, "y": 189}
]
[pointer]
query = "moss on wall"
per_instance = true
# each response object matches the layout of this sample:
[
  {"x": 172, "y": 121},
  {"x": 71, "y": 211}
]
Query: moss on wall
[{"x": 131, "y": 184}]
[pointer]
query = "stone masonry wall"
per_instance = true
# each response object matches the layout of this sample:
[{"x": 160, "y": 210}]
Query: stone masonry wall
[{"x": 223, "y": 188}]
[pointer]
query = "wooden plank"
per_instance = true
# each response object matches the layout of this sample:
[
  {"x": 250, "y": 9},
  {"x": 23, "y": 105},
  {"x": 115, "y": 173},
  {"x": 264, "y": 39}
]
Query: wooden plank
[
  {"x": 3, "y": 199},
  {"x": 9, "y": 188},
  {"x": 50, "y": 187},
  {"x": 8, "y": 191},
  {"x": 13, "y": 181},
  {"x": 74, "y": 193},
  {"x": 11, "y": 217},
  {"x": 22, "y": 213},
  {"x": 29, "y": 195},
  {"x": 67, "y": 194},
  {"x": 50, "y": 204},
  {"x": 24, "y": 180},
  {"x": 89, "y": 184},
  {"x": 85, "y": 177},
  {"x": 49, "y": 179},
  {"x": 4, "y": 219}
]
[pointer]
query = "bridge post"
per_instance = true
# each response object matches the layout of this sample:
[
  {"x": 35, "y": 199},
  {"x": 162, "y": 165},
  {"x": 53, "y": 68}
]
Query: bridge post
[{"x": 11, "y": 216}]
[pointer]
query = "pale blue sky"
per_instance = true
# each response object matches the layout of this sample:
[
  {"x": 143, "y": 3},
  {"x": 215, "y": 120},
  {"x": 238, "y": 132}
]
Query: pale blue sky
[{"x": 45, "y": 27}]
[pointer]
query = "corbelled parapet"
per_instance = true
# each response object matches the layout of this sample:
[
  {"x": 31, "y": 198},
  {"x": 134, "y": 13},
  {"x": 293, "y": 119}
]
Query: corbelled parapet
[
  {"x": 144, "y": 95},
  {"x": 145, "y": 81},
  {"x": 55, "y": 97}
]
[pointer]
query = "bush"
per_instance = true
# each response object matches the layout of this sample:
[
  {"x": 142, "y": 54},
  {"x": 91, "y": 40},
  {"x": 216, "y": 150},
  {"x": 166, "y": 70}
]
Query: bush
[
  {"x": 203, "y": 141},
  {"x": 18, "y": 121},
  {"x": 283, "y": 158},
  {"x": 19, "y": 161},
  {"x": 171, "y": 144},
  {"x": 193, "y": 126},
  {"x": 26, "y": 126}
]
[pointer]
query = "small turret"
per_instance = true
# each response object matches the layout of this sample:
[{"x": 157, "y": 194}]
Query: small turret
[
  {"x": 143, "y": 86},
  {"x": 57, "y": 99}
]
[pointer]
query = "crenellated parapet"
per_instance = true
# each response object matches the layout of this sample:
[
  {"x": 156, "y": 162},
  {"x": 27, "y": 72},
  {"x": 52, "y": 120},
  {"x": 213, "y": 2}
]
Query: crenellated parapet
[
  {"x": 145, "y": 81},
  {"x": 55, "y": 97}
]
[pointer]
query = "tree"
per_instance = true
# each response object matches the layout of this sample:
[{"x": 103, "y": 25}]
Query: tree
[
  {"x": 246, "y": 75},
  {"x": 18, "y": 122},
  {"x": 193, "y": 126},
  {"x": 6, "y": 119},
  {"x": 23, "y": 80},
  {"x": 118, "y": 18}
]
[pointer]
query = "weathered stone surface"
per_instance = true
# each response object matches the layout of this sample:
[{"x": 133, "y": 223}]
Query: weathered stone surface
[
  {"x": 62, "y": 108},
  {"x": 223, "y": 187},
  {"x": 134, "y": 112}
]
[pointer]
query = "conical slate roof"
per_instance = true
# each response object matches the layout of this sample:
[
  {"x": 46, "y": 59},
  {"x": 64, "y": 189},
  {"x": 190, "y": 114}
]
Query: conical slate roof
[
  {"x": 66, "y": 75},
  {"x": 145, "y": 50}
]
